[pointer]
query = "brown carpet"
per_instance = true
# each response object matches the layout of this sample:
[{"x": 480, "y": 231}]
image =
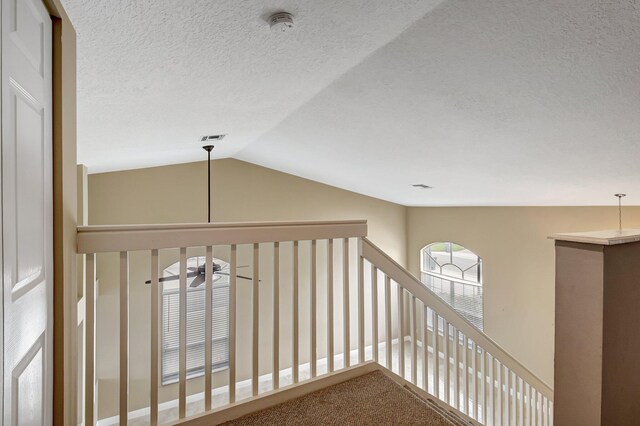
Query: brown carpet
[{"x": 372, "y": 399}]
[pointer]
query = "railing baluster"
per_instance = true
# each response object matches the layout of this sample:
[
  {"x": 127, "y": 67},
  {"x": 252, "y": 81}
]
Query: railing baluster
[
  {"x": 255, "y": 347},
  {"x": 387, "y": 319},
  {"x": 504, "y": 419},
  {"x": 90, "y": 330},
  {"x": 313, "y": 308},
  {"x": 182, "y": 327},
  {"x": 360, "y": 307},
  {"x": 275, "y": 374},
  {"x": 208, "y": 325},
  {"x": 345, "y": 303},
  {"x": 534, "y": 410},
  {"x": 447, "y": 361},
  {"x": 296, "y": 349},
  {"x": 483, "y": 385},
  {"x": 519, "y": 411},
  {"x": 456, "y": 369},
  {"x": 155, "y": 337},
  {"x": 374, "y": 312},
  {"x": 414, "y": 346},
  {"x": 400, "y": 331},
  {"x": 504, "y": 394},
  {"x": 499, "y": 382},
  {"x": 513, "y": 392},
  {"x": 425, "y": 349},
  {"x": 330, "y": 350},
  {"x": 539, "y": 408},
  {"x": 465, "y": 375},
  {"x": 532, "y": 405},
  {"x": 436, "y": 353},
  {"x": 124, "y": 337},
  {"x": 233, "y": 290},
  {"x": 492, "y": 399},
  {"x": 474, "y": 380},
  {"x": 527, "y": 404},
  {"x": 506, "y": 379}
]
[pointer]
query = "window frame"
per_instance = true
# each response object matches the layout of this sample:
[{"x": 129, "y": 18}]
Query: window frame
[{"x": 443, "y": 277}]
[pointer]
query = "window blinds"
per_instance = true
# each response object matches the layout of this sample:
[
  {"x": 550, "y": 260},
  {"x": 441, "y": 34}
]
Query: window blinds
[
  {"x": 465, "y": 299},
  {"x": 195, "y": 331}
]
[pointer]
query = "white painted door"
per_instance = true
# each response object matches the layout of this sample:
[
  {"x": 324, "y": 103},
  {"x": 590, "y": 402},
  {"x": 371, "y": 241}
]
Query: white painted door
[{"x": 27, "y": 228}]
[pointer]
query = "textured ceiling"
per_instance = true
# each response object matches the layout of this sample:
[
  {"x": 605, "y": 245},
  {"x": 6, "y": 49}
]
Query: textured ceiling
[
  {"x": 154, "y": 76},
  {"x": 491, "y": 102}
]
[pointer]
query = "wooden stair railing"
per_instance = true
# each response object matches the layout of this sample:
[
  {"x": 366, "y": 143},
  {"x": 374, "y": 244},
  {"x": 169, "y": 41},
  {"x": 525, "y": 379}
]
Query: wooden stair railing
[{"x": 446, "y": 355}]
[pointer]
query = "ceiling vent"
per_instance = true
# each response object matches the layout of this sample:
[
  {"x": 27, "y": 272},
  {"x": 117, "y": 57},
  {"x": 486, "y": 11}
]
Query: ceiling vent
[
  {"x": 212, "y": 138},
  {"x": 421, "y": 186}
]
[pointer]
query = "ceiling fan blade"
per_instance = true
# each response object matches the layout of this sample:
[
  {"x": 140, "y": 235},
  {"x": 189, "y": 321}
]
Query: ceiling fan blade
[
  {"x": 242, "y": 277},
  {"x": 173, "y": 277},
  {"x": 199, "y": 280},
  {"x": 169, "y": 278}
]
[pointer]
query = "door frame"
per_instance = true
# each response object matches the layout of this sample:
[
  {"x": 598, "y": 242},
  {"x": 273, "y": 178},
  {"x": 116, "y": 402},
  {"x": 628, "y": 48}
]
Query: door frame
[{"x": 65, "y": 287}]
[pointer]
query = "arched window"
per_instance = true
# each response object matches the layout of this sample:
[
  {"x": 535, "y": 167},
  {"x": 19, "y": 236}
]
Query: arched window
[{"x": 455, "y": 274}]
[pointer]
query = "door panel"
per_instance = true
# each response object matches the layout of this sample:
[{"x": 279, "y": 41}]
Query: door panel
[
  {"x": 28, "y": 386},
  {"x": 27, "y": 227},
  {"x": 29, "y": 205}
]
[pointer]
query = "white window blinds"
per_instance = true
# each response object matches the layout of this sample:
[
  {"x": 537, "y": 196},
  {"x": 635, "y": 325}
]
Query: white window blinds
[{"x": 195, "y": 330}]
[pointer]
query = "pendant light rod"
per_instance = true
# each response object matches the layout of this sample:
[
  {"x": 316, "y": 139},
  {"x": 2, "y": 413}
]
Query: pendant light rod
[
  {"x": 620, "y": 210},
  {"x": 208, "y": 148}
]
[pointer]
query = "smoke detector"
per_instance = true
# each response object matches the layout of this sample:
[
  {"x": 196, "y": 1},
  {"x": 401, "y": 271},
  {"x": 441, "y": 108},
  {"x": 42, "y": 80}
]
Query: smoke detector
[{"x": 281, "y": 22}]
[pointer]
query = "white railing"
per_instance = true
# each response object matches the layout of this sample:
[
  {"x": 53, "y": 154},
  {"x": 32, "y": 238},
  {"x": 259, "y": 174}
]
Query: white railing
[
  {"x": 470, "y": 371},
  {"x": 446, "y": 356}
]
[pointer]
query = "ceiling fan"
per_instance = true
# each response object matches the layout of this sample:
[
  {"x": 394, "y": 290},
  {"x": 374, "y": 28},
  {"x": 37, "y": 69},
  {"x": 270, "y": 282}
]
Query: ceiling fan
[{"x": 199, "y": 272}]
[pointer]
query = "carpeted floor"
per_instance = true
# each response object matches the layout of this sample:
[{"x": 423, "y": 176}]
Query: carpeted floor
[{"x": 372, "y": 399}]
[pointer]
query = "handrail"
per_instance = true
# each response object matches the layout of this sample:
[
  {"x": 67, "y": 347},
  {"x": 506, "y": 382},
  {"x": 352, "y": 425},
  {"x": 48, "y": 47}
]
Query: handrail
[
  {"x": 117, "y": 238},
  {"x": 406, "y": 280}
]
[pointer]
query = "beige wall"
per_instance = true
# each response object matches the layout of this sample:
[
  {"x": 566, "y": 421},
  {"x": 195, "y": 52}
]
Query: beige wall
[
  {"x": 518, "y": 257},
  {"x": 242, "y": 192},
  {"x": 518, "y": 265}
]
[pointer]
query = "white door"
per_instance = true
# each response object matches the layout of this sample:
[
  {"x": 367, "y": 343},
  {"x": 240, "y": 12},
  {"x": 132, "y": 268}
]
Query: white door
[{"x": 27, "y": 228}]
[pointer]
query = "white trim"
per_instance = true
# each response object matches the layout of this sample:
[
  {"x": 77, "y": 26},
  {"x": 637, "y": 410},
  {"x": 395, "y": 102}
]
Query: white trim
[{"x": 96, "y": 239}]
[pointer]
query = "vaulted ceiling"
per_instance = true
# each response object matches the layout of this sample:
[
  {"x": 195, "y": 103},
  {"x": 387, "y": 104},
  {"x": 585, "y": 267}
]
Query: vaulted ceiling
[{"x": 490, "y": 102}]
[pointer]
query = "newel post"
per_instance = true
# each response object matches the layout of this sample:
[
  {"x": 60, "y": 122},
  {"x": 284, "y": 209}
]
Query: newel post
[{"x": 597, "y": 328}]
